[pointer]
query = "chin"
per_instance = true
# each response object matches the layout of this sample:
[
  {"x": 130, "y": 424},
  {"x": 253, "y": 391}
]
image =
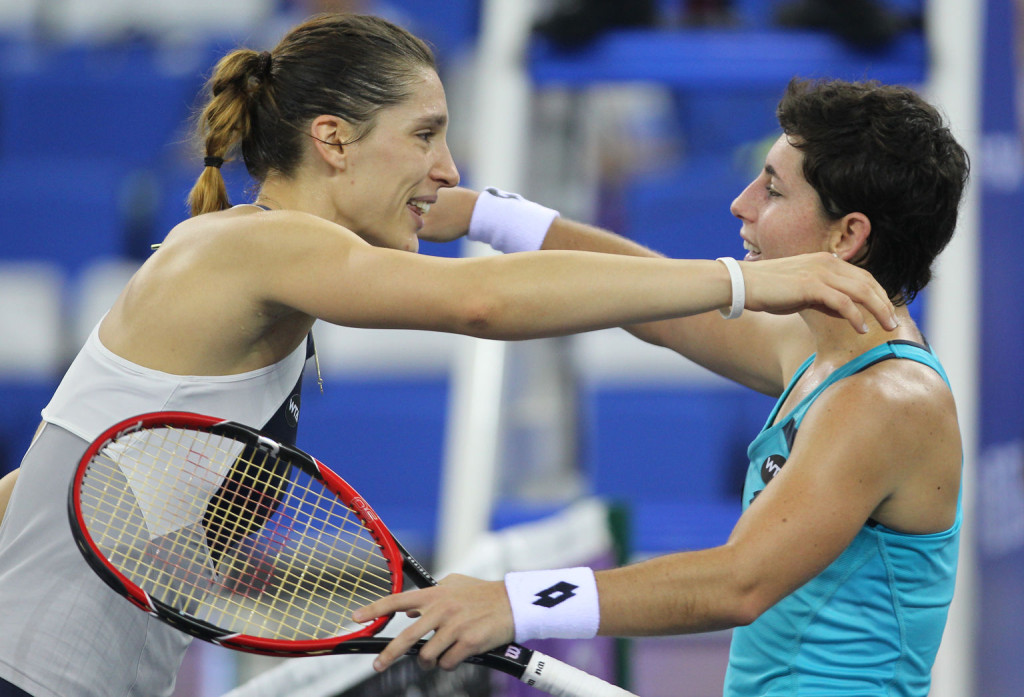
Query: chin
[{"x": 395, "y": 239}]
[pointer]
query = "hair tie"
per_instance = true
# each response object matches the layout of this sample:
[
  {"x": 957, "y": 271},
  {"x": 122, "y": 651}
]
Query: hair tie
[
  {"x": 263, "y": 67},
  {"x": 213, "y": 161}
]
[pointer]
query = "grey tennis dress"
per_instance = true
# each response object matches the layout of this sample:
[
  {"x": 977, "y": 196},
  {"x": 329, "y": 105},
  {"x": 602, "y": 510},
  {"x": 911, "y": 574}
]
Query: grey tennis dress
[{"x": 63, "y": 632}]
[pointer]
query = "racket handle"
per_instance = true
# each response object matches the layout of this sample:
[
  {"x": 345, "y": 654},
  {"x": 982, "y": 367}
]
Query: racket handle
[{"x": 563, "y": 680}]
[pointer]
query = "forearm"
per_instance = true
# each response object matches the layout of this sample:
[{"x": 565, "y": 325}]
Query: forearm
[
  {"x": 566, "y": 234},
  {"x": 570, "y": 234},
  {"x": 704, "y": 338},
  {"x": 532, "y": 295},
  {"x": 675, "y": 594},
  {"x": 509, "y": 223},
  {"x": 680, "y": 593}
]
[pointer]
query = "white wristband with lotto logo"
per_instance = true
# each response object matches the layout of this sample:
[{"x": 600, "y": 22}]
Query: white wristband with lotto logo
[
  {"x": 508, "y": 222},
  {"x": 555, "y": 604}
]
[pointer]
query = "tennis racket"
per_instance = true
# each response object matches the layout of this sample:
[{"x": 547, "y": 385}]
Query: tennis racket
[{"x": 234, "y": 538}]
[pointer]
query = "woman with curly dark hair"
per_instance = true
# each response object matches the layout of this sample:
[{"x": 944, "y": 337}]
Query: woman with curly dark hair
[{"x": 838, "y": 576}]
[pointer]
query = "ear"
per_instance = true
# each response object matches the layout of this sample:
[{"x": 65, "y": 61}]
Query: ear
[
  {"x": 328, "y": 133},
  {"x": 849, "y": 238}
]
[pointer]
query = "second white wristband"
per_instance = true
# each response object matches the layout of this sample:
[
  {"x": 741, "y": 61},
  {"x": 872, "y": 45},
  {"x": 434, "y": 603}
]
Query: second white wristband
[
  {"x": 508, "y": 222},
  {"x": 557, "y": 603},
  {"x": 739, "y": 290}
]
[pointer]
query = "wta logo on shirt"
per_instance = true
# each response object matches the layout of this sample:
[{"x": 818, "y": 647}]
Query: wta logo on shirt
[
  {"x": 771, "y": 467},
  {"x": 292, "y": 410}
]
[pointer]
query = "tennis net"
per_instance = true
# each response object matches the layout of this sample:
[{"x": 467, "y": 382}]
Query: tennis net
[{"x": 577, "y": 535}]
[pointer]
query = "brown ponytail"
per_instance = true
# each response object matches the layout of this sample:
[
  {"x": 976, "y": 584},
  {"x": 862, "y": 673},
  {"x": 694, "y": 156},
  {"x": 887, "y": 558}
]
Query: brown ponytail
[{"x": 239, "y": 79}]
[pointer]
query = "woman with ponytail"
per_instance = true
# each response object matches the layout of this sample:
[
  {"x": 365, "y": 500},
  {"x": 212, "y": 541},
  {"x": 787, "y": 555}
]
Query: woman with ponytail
[{"x": 342, "y": 126}]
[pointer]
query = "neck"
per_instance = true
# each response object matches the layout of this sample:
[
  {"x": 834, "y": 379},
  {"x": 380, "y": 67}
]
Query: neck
[
  {"x": 268, "y": 202},
  {"x": 298, "y": 194},
  {"x": 835, "y": 339}
]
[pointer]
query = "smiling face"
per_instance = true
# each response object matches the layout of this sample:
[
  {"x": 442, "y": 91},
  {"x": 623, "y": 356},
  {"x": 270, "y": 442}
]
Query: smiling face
[
  {"x": 393, "y": 173},
  {"x": 782, "y": 214}
]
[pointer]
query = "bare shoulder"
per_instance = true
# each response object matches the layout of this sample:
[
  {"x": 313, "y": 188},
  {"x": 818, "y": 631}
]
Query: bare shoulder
[
  {"x": 242, "y": 231},
  {"x": 905, "y": 389},
  {"x": 904, "y": 404},
  {"x": 211, "y": 283},
  {"x": 898, "y": 420}
]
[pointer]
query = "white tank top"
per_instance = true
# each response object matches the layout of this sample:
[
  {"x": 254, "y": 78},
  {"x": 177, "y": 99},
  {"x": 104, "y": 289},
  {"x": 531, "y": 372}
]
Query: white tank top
[
  {"x": 101, "y": 388},
  {"x": 63, "y": 633}
]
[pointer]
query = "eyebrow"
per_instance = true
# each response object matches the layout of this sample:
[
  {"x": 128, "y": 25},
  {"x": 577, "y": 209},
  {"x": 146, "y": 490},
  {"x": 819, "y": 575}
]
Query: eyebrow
[
  {"x": 770, "y": 171},
  {"x": 437, "y": 121}
]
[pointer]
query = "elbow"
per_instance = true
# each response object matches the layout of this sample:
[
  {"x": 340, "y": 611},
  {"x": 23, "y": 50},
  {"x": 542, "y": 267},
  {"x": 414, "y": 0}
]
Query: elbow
[
  {"x": 746, "y": 609},
  {"x": 479, "y": 317},
  {"x": 489, "y": 317},
  {"x": 653, "y": 333},
  {"x": 750, "y": 600}
]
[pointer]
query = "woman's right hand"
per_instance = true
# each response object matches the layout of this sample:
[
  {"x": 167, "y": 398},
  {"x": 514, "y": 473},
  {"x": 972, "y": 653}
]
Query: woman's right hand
[{"x": 449, "y": 217}]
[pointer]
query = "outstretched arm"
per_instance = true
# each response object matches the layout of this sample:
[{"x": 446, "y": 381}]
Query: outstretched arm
[
  {"x": 333, "y": 275},
  {"x": 287, "y": 268},
  {"x": 756, "y": 350}
]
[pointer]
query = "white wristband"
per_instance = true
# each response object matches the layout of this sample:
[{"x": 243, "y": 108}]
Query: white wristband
[
  {"x": 558, "y": 603},
  {"x": 508, "y": 222},
  {"x": 739, "y": 290}
]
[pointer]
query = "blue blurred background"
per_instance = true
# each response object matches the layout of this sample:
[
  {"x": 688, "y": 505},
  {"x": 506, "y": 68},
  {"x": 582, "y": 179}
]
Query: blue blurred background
[{"x": 648, "y": 118}]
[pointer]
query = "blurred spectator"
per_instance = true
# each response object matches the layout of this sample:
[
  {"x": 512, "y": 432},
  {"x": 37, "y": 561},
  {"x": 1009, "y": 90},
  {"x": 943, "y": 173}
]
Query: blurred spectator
[
  {"x": 864, "y": 24},
  {"x": 170, "y": 22},
  {"x": 708, "y": 13},
  {"x": 575, "y": 23},
  {"x": 317, "y": 6}
]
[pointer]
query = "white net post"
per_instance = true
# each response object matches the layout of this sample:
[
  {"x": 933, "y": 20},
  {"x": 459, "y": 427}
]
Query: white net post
[
  {"x": 475, "y": 422},
  {"x": 954, "y": 32}
]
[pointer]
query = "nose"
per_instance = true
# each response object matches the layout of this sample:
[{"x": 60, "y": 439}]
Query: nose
[
  {"x": 444, "y": 171},
  {"x": 740, "y": 206}
]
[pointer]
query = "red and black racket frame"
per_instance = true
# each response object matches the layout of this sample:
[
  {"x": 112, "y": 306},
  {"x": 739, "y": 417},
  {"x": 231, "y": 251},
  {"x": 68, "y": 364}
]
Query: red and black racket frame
[
  {"x": 511, "y": 659},
  {"x": 249, "y": 437}
]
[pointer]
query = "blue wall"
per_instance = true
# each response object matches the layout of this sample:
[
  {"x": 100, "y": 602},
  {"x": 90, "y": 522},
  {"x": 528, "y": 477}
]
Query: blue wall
[{"x": 1000, "y": 173}]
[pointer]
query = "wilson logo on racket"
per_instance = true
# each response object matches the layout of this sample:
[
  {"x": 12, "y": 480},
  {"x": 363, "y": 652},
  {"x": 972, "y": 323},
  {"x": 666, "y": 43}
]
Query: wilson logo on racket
[{"x": 556, "y": 594}]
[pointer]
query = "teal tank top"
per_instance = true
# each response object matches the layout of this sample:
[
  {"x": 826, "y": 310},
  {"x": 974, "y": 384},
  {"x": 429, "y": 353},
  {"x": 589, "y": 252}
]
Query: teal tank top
[{"x": 868, "y": 625}]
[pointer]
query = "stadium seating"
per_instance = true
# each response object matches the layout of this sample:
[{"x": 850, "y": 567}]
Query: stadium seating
[{"x": 95, "y": 167}]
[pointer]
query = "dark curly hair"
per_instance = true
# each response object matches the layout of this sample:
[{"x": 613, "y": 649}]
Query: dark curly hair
[{"x": 880, "y": 150}]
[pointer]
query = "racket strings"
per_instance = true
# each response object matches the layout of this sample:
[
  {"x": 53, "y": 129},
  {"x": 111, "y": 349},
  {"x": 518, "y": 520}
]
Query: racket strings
[
  {"x": 249, "y": 495},
  {"x": 231, "y": 534}
]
